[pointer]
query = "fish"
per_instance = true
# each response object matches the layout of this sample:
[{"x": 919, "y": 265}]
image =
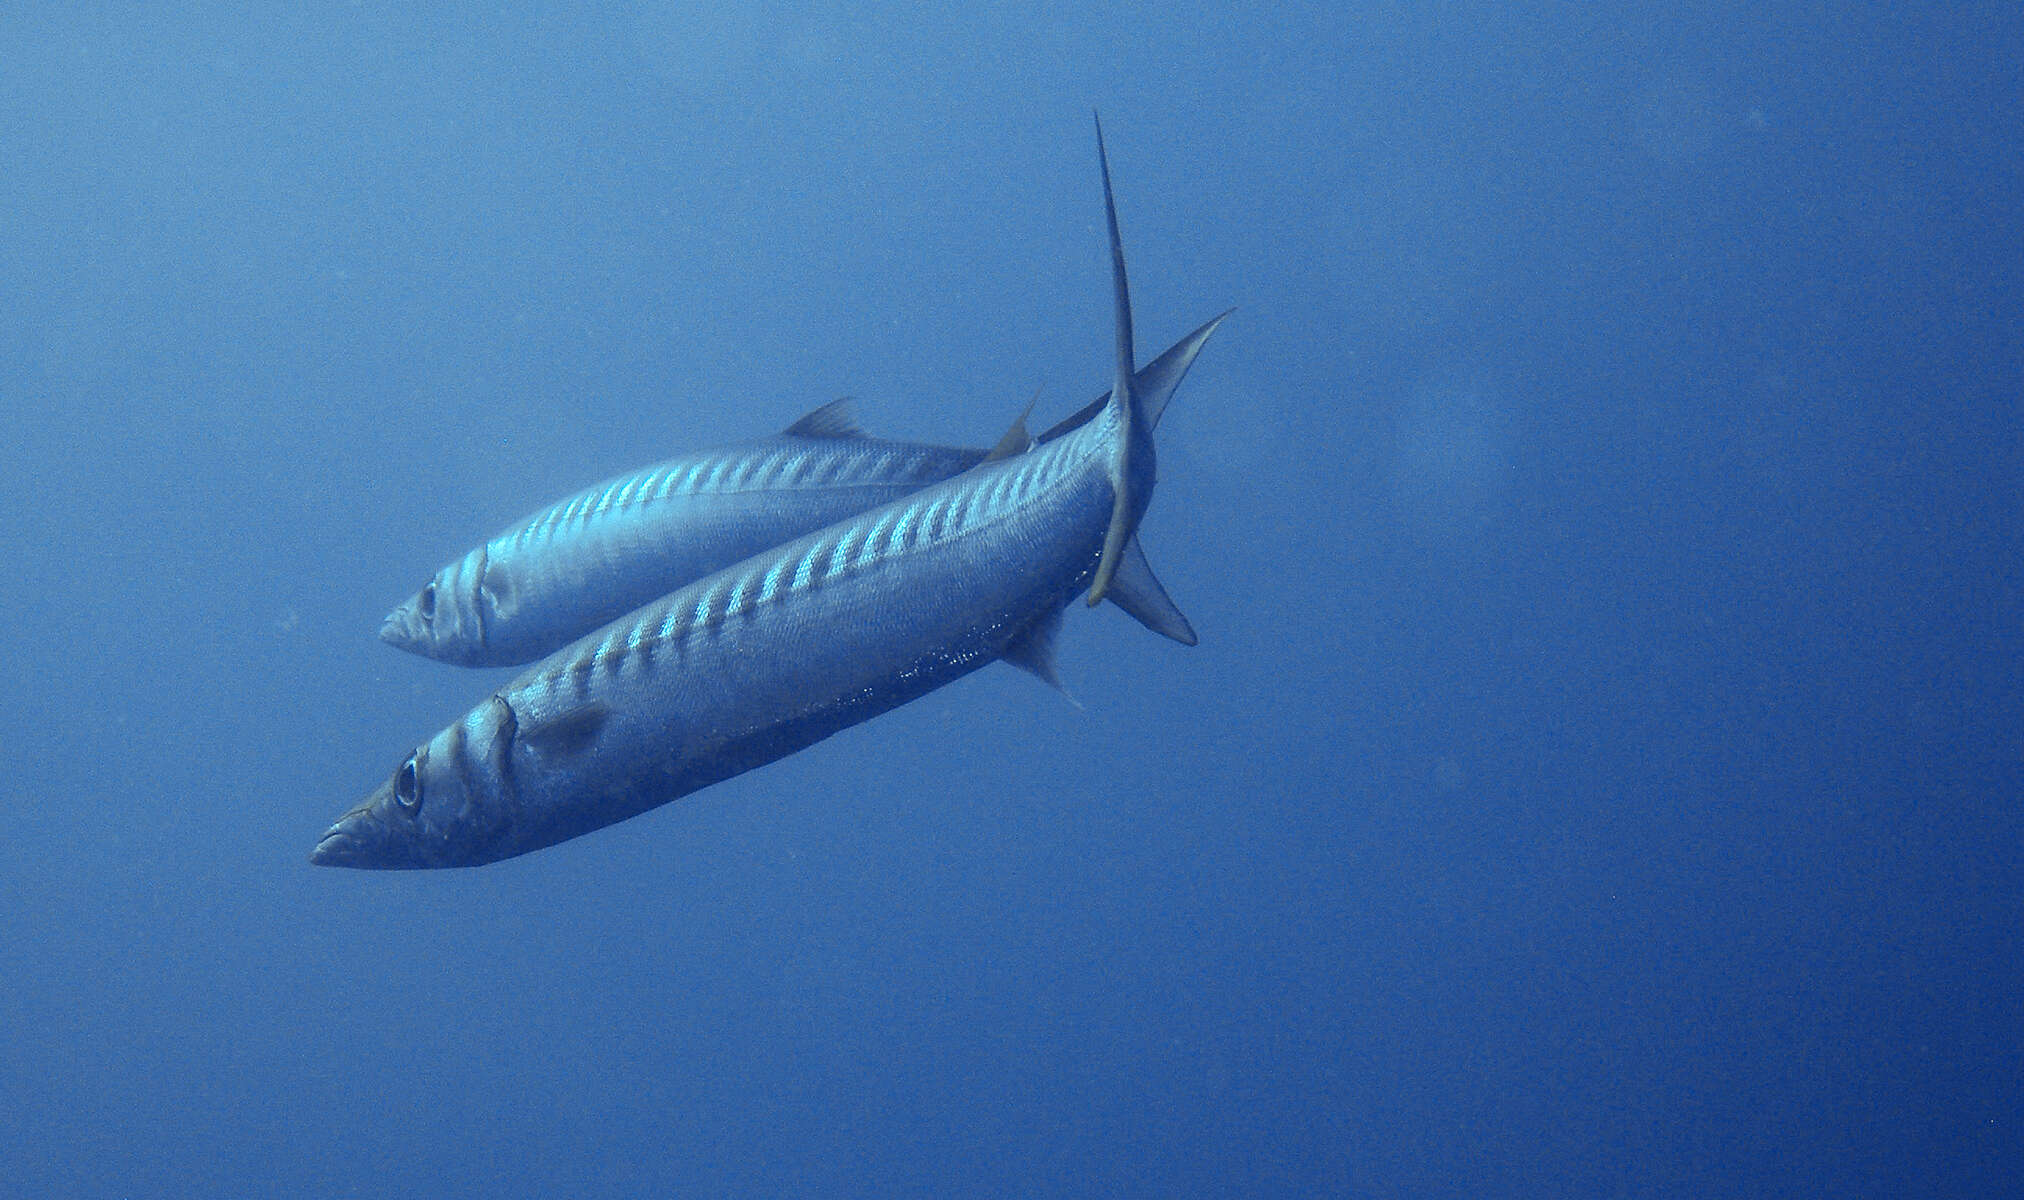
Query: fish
[
  {"x": 787, "y": 647},
  {"x": 592, "y": 557}
]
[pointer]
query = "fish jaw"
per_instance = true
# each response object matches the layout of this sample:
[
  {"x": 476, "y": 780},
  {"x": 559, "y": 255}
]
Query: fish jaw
[
  {"x": 362, "y": 838},
  {"x": 376, "y": 837},
  {"x": 402, "y": 631}
]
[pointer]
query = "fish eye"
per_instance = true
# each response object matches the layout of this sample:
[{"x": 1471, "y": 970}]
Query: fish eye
[
  {"x": 408, "y": 789},
  {"x": 429, "y": 601}
]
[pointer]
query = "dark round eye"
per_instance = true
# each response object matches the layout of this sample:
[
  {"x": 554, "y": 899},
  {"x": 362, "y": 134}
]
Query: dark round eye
[
  {"x": 429, "y": 601},
  {"x": 408, "y": 789}
]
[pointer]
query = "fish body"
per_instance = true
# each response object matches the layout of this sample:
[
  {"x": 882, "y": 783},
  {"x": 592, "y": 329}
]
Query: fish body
[
  {"x": 599, "y": 554},
  {"x": 784, "y": 648},
  {"x": 603, "y": 552}
]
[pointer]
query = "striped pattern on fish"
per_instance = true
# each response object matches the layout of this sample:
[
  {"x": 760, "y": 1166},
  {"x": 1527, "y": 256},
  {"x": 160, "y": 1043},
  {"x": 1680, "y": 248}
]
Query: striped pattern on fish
[
  {"x": 589, "y": 559},
  {"x": 781, "y": 649},
  {"x": 609, "y": 549}
]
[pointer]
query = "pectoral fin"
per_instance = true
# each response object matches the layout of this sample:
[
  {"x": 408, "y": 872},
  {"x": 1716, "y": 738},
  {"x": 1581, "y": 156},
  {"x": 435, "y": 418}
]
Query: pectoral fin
[{"x": 570, "y": 731}]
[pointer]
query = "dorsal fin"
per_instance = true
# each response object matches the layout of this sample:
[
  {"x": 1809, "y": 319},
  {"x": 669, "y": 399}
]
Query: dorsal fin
[
  {"x": 1016, "y": 440},
  {"x": 832, "y": 420}
]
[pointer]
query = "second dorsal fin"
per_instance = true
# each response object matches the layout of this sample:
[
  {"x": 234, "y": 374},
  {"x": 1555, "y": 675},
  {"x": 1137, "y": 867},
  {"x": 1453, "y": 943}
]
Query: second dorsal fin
[
  {"x": 833, "y": 420},
  {"x": 1016, "y": 440}
]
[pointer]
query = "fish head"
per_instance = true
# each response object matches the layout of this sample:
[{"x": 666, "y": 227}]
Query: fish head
[
  {"x": 445, "y": 620},
  {"x": 444, "y": 806},
  {"x": 380, "y": 833}
]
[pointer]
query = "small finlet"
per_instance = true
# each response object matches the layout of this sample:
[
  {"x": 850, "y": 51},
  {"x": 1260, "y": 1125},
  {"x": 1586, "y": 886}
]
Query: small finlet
[{"x": 832, "y": 420}]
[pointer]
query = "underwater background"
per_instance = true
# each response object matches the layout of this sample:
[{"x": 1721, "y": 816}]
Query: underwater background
[{"x": 1600, "y": 773}]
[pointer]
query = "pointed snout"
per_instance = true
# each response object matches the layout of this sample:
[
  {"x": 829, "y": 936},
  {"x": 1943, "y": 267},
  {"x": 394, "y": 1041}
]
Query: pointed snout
[
  {"x": 398, "y": 628},
  {"x": 355, "y": 841}
]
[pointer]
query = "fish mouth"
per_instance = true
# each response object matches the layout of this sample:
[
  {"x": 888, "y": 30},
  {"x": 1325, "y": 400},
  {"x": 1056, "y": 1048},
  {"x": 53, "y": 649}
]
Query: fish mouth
[
  {"x": 348, "y": 843},
  {"x": 394, "y": 630},
  {"x": 333, "y": 849}
]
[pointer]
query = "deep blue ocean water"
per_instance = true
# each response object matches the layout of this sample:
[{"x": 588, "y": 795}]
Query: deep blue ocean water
[{"x": 1600, "y": 774}]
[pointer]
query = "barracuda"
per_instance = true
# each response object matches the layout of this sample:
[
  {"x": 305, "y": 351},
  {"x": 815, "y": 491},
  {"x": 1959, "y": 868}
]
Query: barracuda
[
  {"x": 785, "y": 648},
  {"x": 605, "y": 551},
  {"x": 591, "y": 558}
]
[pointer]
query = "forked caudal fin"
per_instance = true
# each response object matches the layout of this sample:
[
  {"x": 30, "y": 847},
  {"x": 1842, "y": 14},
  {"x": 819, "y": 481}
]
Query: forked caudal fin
[
  {"x": 1132, "y": 589},
  {"x": 1135, "y": 590},
  {"x": 1120, "y": 395},
  {"x": 1154, "y": 384}
]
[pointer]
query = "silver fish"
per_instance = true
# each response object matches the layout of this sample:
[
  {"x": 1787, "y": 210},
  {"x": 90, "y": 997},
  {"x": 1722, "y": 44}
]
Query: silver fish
[
  {"x": 599, "y": 554},
  {"x": 605, "y": 551},
  {"x": 784, "y": 648}
]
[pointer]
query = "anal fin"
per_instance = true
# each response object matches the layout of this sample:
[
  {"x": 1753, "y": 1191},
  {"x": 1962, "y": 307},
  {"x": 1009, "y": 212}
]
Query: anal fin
[{"x": 1033, "y": 652}]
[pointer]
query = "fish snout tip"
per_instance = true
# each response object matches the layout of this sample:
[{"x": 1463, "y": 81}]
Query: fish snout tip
[
  {"x": 331, "y": 849},
  {"x": 346, "y": 843},
  {"x": 394, "y": 630}
]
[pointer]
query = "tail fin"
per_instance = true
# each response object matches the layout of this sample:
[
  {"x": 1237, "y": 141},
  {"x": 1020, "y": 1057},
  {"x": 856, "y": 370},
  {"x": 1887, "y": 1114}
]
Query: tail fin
[
  {"x": 1120, "y": 396},
  {"x": 1135, "y": 590},
  {"x": 1153, "y": 386}
]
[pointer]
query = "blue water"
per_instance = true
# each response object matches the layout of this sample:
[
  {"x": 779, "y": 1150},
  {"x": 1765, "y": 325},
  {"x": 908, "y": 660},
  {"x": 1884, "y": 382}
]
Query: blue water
[{"x": 1599, "y": 775}]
